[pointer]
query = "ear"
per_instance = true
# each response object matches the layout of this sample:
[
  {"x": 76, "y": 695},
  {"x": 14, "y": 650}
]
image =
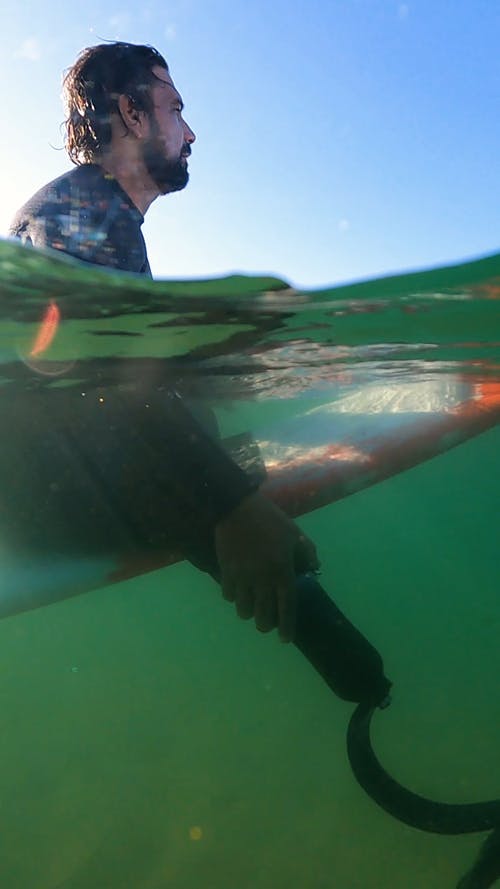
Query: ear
[{"x": 133, "y": 119}]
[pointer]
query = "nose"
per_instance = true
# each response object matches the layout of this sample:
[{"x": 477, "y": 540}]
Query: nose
[{"x": 189, "y": 136}]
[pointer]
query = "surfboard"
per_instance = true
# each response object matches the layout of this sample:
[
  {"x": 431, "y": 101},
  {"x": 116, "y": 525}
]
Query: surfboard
[{"x": 63, "y": 326}]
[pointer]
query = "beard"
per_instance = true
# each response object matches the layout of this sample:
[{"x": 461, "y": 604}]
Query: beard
[{"x": 168, "y": 175}]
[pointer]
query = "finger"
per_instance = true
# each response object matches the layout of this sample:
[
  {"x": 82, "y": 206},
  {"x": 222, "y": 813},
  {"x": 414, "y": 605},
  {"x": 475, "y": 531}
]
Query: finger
[
  {"x": 245, "y": 602},
  {"x": 287, "y": 607},
  {"x": 228, "y": 589},
  {"x": 266, "y": 610}
]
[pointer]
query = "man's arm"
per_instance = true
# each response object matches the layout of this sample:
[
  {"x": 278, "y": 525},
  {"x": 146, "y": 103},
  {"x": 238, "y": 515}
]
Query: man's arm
[{"x": 259, "y": 549}]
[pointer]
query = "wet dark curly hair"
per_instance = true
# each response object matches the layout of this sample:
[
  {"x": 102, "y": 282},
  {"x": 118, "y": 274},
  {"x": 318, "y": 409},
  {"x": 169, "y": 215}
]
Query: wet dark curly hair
[{"x": 91, "y": 88}]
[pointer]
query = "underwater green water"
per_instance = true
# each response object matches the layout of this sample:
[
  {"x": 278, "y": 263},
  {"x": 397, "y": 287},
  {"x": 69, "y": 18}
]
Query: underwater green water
[
  {"x": 150, "y": 739},
  {"x": 134, "y": 714}
]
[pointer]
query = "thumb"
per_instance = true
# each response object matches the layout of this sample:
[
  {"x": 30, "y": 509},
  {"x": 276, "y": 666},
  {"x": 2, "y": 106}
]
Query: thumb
[{"x": 306, "y": 557}]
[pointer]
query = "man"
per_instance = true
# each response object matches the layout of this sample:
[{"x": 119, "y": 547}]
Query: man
[{"x": 126, "y": 134}]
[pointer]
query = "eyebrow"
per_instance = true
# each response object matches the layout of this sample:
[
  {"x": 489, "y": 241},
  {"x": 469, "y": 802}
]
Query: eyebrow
[{"x": 177, "y": 99}]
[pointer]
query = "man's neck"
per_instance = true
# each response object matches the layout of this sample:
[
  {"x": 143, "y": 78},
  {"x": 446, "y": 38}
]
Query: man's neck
[{"x": 134, "y": 180}]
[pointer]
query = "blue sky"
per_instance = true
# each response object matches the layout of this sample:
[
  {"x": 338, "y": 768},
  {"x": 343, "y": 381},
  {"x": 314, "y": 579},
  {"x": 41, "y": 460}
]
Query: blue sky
[{"x": 336, "y": 139}]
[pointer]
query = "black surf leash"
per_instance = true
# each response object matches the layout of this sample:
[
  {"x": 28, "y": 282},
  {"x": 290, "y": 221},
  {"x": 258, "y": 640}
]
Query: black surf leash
[{"x": 354, "y": 670}]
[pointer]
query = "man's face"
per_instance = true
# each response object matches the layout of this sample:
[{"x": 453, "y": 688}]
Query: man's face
[{"x": 168, "y": 146}]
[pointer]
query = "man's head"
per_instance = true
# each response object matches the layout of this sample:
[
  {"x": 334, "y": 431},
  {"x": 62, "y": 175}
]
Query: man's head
[{"x": 120, "y": 91}]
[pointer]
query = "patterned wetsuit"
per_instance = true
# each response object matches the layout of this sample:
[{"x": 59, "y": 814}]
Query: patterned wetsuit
[
  {"x": 85, "y": 213},
  {"x": 157, "y": 477}
]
